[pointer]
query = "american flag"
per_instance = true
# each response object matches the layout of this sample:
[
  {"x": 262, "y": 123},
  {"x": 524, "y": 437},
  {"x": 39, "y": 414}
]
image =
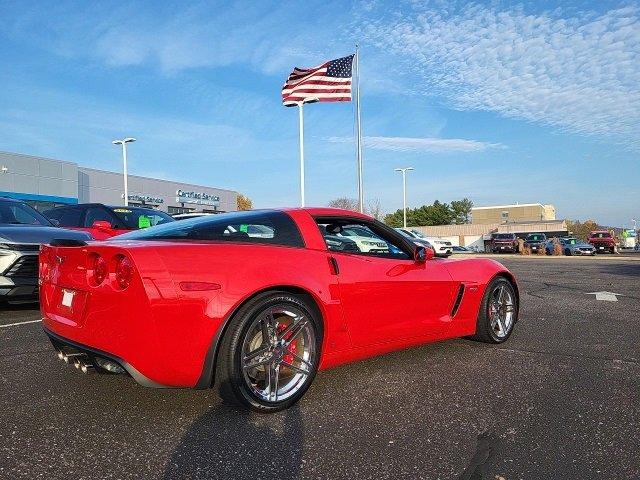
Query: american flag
[{"x": 329, "y": 82}]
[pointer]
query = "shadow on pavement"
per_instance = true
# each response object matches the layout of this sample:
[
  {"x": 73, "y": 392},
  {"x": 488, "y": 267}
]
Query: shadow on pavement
[
  {"x": 229, "y": 442},
  {"x": 623, "y": 269}
]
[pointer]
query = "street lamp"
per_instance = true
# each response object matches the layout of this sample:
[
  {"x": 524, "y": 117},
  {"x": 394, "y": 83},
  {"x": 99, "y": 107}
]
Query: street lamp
[
  {"x": 124, "y": 142},
  {"x": 299, "y": 104},
  {"x": 404, "y": 193}
]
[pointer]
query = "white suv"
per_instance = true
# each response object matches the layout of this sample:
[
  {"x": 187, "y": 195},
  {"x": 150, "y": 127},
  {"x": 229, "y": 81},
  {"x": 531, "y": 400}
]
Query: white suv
[{"x": 442, "y": 248}]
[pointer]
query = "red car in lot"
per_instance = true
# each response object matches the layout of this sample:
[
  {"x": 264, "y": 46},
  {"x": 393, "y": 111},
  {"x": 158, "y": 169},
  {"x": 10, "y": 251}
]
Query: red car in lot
[
  {"x": 602, "y": 241},
  {"x": 504, "y": 242},
  {"x": 103, "y": 221},
  {"x": 203, "y": 301}
]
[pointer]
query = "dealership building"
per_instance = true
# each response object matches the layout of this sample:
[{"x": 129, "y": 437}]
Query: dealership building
[{"x": 45, "y": 183}]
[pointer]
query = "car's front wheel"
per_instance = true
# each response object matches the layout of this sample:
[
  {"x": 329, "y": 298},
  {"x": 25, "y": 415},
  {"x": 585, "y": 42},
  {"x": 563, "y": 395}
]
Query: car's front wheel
[
  {"x": 270, "y": 352},
  {"x": 498, "y": 312}
]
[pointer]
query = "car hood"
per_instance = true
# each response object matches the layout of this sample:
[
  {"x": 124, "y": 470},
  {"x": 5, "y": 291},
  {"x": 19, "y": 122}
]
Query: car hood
[{"x": 31, "y": 234}]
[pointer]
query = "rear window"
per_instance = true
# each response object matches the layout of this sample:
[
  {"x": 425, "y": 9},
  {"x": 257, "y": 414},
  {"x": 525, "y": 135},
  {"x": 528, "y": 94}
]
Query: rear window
[
  {"x": 137, "y": 218},
  {"x": 266, "y": 227},
  {"x": 504, "y": 236},
  {"x": 601, "y": 235}
]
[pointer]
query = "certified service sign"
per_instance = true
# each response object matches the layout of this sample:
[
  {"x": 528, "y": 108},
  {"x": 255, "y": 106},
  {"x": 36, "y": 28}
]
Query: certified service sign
[{"x": 197, "y": 198}]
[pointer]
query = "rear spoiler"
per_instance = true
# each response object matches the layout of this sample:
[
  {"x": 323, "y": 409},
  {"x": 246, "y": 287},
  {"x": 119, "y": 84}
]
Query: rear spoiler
[{"x": 67, "y": 242}]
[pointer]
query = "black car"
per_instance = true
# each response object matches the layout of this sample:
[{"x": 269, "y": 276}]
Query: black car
[
  {"x": 22, "y": 230},
  {"x": 536, "y": 241}
]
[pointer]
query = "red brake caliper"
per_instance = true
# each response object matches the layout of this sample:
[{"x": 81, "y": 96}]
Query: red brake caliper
[{"x": 288, "y": 357}]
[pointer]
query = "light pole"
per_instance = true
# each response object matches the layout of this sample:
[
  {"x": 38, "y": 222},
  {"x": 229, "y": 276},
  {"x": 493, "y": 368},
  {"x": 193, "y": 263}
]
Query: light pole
[
  {"x": 404, "y": 171},
  {"x": 300, "y": 104},
  {"x": 124, "y": 142}
]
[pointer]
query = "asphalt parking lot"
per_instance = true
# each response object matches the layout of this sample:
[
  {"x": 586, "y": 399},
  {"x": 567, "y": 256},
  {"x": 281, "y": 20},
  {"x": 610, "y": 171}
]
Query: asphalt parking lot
[{"x": 561, "y": 399}]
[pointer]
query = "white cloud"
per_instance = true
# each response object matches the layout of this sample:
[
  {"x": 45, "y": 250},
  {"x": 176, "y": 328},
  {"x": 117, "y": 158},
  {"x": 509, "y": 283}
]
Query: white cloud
[
  {"x": 405, "y": 144},
  {"x": 579, "y": 73}
]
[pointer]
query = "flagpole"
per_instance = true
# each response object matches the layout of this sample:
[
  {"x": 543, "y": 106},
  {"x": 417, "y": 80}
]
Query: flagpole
[
  {"x": 300, "y": 104},
  {"x": 359, "y": 135},
  {"x": 301, "y": 117}
]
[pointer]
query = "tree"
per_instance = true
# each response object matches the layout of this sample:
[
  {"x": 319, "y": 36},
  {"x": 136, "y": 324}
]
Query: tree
[
  {"x": 374, "y": 208},
  {"x": 435, "y": 214},
  {"x": 461, "y": 210},
  {"x": 244, "y": 203},
  {"x": 581, "y": 230},
  {"x": 345, "y": 204}
]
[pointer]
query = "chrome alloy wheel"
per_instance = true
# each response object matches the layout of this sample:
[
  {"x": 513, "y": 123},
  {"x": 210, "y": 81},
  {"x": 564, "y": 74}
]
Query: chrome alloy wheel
[
  {"x": 277, "y": 353},
  {"x": 502, "y": 311}
]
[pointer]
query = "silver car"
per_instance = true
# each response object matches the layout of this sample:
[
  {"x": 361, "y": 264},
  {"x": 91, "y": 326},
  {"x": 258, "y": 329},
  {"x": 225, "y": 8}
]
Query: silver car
[{"x": 572, "y": 246}]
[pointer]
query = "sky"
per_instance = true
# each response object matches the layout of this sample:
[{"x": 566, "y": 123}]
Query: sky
[{"x": 500, "y": 102}]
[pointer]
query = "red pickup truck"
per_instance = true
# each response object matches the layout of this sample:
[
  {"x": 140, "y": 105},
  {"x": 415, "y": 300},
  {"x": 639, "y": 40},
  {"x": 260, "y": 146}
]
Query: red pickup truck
[{"x": 602, "y": 241}]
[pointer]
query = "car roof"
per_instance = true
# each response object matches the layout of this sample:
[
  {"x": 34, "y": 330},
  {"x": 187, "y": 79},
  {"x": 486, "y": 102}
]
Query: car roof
[{"x": 330, "y": 212}]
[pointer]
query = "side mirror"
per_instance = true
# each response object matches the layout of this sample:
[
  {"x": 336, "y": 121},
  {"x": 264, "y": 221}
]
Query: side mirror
[
  {"x": 101, "y": 225},
  {"x": 422, "y": 254}
]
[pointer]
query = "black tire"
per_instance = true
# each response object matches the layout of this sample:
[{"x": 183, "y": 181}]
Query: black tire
[
  {"x": 548, "y": 251},
  {"x": 484, "y": 332},
  {"x": 567, "y": 252},
  {"x": 229, "y": 373}
]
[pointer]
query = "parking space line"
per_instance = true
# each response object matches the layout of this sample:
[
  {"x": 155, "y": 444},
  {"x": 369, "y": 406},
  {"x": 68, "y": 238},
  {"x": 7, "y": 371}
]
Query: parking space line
[{"x": 20, "y": 323}]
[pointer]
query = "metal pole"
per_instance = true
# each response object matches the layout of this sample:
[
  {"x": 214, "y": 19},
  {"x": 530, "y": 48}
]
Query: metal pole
[
  {"x": 404, "y": 198},
  {"x": 301, "y": 116},
  {"x": 126, "y": 186},
  {"x": 359, "y": 135}
]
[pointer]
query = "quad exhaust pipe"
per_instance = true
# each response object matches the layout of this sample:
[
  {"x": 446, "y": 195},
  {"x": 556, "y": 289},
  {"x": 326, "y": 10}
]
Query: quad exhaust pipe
[{"x": 79, "y": 360}]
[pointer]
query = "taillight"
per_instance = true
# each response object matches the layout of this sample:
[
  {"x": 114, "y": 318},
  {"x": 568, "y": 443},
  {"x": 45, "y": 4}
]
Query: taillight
[
  {"x": 98, "y": 269},
  {"x": 123, "y": 271}
]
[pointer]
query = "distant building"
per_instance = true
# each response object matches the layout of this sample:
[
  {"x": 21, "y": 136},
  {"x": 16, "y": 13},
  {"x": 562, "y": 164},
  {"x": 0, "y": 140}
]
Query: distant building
[
  {"x": 45, "y": 183},
  {"x": 478, "y": 236},
  {"x": 526, "y": 212}
]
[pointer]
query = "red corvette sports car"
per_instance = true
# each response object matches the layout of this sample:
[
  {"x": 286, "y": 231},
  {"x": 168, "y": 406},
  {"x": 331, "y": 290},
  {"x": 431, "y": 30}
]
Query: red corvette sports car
[{"x": 257, "y": 302}]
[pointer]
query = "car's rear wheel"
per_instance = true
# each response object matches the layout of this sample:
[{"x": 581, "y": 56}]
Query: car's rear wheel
[
  {"x": 567, "y": 252},
  {"x": 270, "y": 352},
  {"x": 498, "y": 312}
]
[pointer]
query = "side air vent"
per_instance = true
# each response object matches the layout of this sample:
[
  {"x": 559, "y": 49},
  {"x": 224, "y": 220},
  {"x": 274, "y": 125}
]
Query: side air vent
[{"x": 458, "y": 301}]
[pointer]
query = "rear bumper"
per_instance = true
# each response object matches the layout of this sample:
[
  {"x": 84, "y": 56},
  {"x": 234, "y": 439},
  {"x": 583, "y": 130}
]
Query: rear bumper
[{"x": 61, "y": 343}]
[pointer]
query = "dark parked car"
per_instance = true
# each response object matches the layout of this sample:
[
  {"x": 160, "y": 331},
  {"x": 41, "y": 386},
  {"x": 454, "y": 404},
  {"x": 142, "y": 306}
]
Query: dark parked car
[
  {"x": 504, "y": 242},
  {"x": 22, "y": 230},
  {"x": 103, "y": 221},
  {"x": 536, "y": 241}
]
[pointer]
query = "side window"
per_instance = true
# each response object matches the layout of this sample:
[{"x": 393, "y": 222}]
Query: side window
[
  {"x": 95, "y": 214},
  {"x": 361, "y": 238},
  {"x": 67, "y": 217}
]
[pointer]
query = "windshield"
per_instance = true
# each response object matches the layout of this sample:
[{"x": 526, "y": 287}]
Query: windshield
[
  {"x": 570, "y": 241},
  {"x": 601, "y": 235},
  {"x": 417, "y": 234},
  {"x": 536, "y": 238},
  {"x": 504, "y": 236},
  {"x": 18, "y": 213},
  {"x": 136, "y": 218},
  {"x": 356, "y": 232}
]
